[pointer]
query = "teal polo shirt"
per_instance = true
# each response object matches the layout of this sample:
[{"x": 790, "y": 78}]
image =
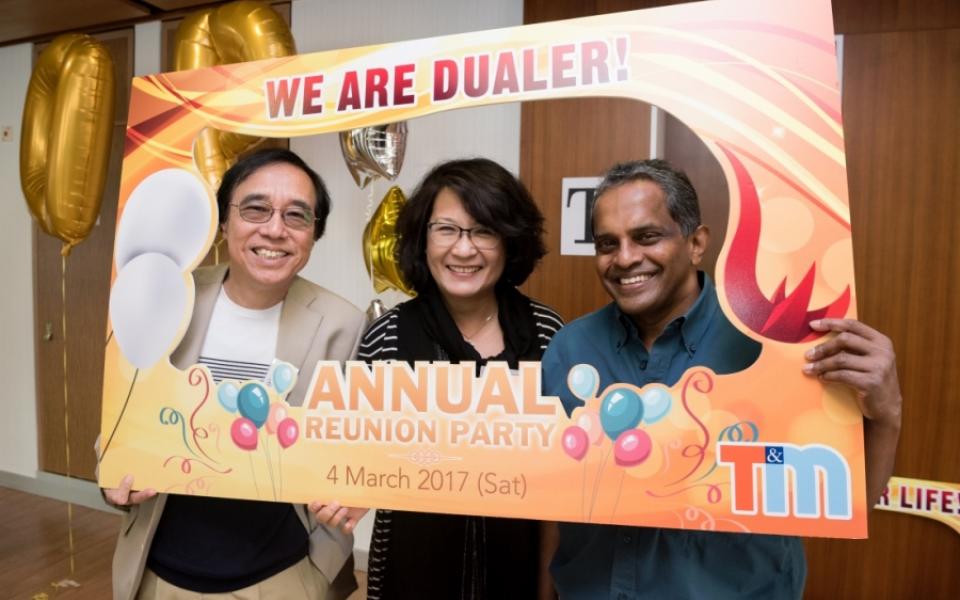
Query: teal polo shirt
[{"x": 618, "y": 562}]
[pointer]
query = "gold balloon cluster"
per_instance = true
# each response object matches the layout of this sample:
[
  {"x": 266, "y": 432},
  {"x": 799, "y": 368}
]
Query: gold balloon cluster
[
  {"x": 371, "y": 153},
  {"x": 380, "y": 243},
  {"x": 236, "y": 32},
  {"x": 65, "y": 136}
]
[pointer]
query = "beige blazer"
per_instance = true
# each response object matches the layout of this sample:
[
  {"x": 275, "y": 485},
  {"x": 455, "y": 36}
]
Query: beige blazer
[{"x": 315, "y": 324}]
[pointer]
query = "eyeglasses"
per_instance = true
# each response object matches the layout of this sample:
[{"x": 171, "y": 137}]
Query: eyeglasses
[
  {"x": 294, "y": 216},
  {"x": 447, "y": 234}
]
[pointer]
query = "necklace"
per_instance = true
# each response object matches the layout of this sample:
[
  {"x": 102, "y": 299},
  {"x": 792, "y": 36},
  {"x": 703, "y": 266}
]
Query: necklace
[{"x": 483, "y": 326}]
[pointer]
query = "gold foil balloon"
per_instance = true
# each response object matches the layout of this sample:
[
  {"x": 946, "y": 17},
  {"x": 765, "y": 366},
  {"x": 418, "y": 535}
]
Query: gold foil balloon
[
  {"x": 380, "y": 242},
  {"x": 372, "y": 152},
  {"x": 65, "y": 136},
  {"x": 235, "y": 32}
]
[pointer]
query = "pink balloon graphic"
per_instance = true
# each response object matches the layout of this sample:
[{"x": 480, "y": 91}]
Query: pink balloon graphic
[
  {"x": 244, "y": 433},
  {"x": 287, "y": 432},
  {"x": 575, "y": 442},
  {"x": 278, "y": 412},
  {"x": 632, "y": 447},
  {"x": 589, "y": 421}
]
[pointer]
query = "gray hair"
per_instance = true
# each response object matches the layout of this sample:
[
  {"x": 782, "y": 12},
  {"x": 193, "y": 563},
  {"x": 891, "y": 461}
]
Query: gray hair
[{"x": 682, "y": 202}]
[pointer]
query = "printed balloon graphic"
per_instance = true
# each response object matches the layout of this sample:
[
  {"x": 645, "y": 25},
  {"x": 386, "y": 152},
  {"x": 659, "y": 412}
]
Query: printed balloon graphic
[
  {"x": 632, "y": 448},
  {"x": 656, "y": 404},
  {"x": 575, "y": 442},
  {"x": 168, "y": 213},
  {"x": 148, "y": 304},
  {"x": 244, "y": 433},
  {"x": 282, "y": 377},
  {"x": 278, "y": 412},
  {"x": 287, "y": 432},
  {"x": 620, "y": 410},
  {"x": 589, "y": 421},
  {"x": 227, "y": 393},
  {"x": 583, "y": 381},
  {"x": 253, "y": 402}
]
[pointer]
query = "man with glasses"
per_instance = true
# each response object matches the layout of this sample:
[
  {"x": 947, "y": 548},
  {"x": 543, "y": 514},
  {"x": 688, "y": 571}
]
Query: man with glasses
[{"x": 249, "y": 313}]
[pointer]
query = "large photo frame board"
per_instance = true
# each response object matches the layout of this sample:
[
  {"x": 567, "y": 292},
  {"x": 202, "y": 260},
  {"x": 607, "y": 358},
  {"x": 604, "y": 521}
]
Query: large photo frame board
[{"x": 765, "y": 450}]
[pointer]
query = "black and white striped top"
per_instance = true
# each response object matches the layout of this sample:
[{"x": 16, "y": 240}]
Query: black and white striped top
[{"x": 380, "y": 340}]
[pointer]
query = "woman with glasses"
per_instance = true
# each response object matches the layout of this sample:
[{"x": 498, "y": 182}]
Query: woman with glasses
[{"x": 468, "y": 236}]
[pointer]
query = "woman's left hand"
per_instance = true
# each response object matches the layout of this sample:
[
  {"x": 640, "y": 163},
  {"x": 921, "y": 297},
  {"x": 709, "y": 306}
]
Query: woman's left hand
[{"x": 334, "y": 515}]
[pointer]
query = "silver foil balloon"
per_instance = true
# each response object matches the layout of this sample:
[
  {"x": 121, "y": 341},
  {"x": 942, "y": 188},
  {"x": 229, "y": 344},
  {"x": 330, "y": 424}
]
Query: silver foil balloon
[
  {"x": 375, "y": 310},
  {"x": 372, "y": 152}
]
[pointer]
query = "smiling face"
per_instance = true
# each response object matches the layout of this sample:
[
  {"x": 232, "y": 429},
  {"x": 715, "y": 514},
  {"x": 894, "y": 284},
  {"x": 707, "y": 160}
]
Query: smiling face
[
  {"x": 265, "y": 257},
  {"x": 461, "y": 271},
  {"x": 643, "y": 259}
]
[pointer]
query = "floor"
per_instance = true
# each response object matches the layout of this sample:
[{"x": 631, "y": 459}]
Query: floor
[{"x": 35, "y": 554}]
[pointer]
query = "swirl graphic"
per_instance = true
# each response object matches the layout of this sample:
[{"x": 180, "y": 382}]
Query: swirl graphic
[{"x": 703, "y": 383}]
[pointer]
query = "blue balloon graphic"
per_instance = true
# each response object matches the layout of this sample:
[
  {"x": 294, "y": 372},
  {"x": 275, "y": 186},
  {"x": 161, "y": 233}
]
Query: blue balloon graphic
[
  {"x": 656, "y": 404},
  {"x": 620, "y": 410},
  {"x": 254, "y": 403},
  {"x": 282, "y": 377},
  {"x": 227, "y": 395},
  {"x": 583, "y": 381}
]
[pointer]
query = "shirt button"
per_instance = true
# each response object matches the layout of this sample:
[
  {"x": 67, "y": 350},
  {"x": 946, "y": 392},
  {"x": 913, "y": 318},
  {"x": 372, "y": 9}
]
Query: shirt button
[
  {"x": 643, "y": 364},
  {"x": 626, "y": 539}
]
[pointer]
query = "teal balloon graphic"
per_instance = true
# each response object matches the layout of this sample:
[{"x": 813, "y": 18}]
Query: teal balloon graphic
[
  {"x": 282, "y": 377},
  {"x": 620, "y": 410},
  {"x": 227, "y": 395},
  {"x": 254, "y": 403},
  {"x": 656, "y": 404},
  {"x": 583, "y": 381}
]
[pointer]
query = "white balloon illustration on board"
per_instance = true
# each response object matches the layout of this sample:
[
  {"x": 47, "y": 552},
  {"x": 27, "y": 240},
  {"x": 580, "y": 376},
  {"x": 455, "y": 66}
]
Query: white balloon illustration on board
[
  {"x": 147, "y": 306},
  {"x": 167, "y": 213},
  {"x": 162, "y": 233}
]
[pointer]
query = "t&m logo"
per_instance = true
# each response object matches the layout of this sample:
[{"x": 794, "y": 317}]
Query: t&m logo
[{"x": 804, "y": 474}]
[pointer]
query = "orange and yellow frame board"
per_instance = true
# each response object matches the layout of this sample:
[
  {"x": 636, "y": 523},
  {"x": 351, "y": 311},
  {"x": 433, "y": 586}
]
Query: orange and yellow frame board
[{"x": 764, "y": 450}]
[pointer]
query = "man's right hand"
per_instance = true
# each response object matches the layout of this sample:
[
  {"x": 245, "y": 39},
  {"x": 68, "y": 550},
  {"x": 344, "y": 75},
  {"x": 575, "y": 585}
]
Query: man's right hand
[{"x": 124, "y": 496}]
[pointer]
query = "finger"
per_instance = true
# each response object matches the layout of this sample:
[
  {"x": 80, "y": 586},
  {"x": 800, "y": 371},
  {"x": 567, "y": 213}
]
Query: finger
[
  {"x": 326, "y": 512},
  {"x": 841, "y": 361},
  {"x": 142, "y": 496},
  {"x": 121, "y": 494},
  {"x": 841, "y": 325},
  {"x": 860, "y": 382},
  {"x": 844, "y": 342},
  {"x": 339, "y": 516}
]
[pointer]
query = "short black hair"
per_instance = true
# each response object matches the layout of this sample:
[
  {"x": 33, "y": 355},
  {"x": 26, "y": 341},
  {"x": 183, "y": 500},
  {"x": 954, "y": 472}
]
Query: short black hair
[
  {"x": 682, "y": 201},
  {"x": 248, "y": 165},
  {"x": 493, "y": 197}
]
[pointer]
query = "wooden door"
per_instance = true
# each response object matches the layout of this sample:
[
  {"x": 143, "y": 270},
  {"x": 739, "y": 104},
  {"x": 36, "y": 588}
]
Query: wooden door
[{"x": 77, "y": 297}]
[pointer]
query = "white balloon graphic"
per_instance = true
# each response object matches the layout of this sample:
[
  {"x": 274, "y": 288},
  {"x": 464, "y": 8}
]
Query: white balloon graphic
[
  {"x": 168, "y": 213},
  {"x": 147, "y": 306}
]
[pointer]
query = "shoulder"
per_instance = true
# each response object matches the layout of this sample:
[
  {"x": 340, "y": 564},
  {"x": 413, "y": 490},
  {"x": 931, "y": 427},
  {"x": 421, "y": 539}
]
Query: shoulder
[
  {"x": 380, "y": 340},
  {"x": 210, "y": 274},
  {"x": 598, "y": 324},
  {"x": 322, "y": 300},
  {"x": 547, "y": 322}
]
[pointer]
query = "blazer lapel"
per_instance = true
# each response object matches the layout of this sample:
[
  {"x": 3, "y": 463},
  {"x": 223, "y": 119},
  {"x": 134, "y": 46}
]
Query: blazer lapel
[{"x": 299, "y": 321}]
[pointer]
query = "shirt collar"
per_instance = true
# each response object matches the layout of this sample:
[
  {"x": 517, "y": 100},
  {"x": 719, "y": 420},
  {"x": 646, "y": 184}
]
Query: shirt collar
[{"x": 693, "y": 324}]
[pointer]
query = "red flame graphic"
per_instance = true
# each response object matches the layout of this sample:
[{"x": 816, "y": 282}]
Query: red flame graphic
[{"x": 784, "y": 317}]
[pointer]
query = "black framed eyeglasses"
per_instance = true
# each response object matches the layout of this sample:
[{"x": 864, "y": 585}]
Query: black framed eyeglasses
[
  {"x": 447, "y": 234},
  {"x": 294, "y": 216}
]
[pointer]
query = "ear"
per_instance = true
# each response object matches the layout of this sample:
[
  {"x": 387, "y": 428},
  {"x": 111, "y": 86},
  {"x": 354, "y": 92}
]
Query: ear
[{"x": 697, "y": 243}]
